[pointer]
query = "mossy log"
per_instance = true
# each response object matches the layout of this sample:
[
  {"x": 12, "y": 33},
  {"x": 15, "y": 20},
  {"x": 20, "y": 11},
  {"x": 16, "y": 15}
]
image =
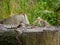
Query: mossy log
[{"x": 28, "y": 36}]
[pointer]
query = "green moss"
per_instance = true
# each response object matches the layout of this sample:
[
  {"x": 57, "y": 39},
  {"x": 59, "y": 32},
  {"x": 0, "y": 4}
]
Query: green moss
[{"x": 8, "y": 38}]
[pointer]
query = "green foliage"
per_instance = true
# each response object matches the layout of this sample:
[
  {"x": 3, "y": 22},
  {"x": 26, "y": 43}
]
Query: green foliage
[
  {"x": 4, "y": 9},
  {"x": 33, "y": 8}
]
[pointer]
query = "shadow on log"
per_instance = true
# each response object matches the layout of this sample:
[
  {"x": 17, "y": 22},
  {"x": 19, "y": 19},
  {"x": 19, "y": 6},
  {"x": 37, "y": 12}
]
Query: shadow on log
[{"x": 9, "y": 37}]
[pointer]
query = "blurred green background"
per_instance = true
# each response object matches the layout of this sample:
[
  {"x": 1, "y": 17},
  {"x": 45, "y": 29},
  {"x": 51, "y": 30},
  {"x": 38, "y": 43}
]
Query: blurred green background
[{"x": 46, "y": 9}]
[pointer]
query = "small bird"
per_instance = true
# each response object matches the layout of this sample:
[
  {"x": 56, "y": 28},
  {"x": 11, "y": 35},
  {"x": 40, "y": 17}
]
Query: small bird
[{"x": 40, "y": 22}]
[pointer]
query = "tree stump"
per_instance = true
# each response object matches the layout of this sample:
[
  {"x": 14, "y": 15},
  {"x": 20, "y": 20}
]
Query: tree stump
[{"x": 40, "y": 37}]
